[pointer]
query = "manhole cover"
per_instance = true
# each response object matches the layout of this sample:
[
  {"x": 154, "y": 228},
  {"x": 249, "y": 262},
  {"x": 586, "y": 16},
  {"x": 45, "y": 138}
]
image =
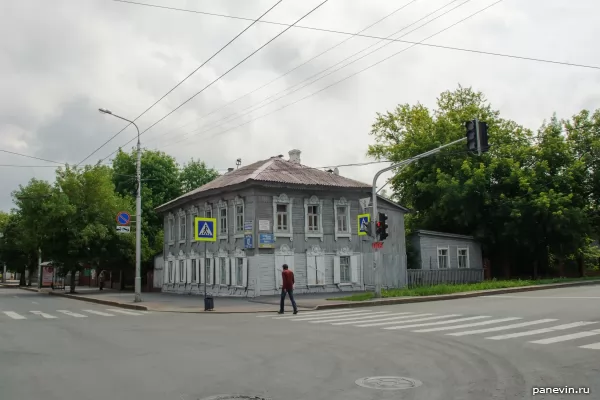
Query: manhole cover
[
  {"x": 388, "y": 382},
  {"x": 233, "y": 397}
]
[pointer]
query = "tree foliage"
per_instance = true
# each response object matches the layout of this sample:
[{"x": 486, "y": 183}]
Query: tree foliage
[{"x": 529, "y": 200}]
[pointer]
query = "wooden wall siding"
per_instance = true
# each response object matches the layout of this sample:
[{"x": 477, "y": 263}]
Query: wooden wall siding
[
  {"x": 428, "y": 245},
  {"x": 423, "y": 277},
  {"x": 262, "y": 279}
]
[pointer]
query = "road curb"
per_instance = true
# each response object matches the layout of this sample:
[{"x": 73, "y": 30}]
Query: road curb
[
  {"x": 454, "y": 296},
  {"x": 100, "y": 301}
]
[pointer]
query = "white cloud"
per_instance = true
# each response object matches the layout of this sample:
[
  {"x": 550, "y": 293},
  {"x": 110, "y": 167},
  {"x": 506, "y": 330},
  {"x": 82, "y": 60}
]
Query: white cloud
[{"x": 61, "y": 60}]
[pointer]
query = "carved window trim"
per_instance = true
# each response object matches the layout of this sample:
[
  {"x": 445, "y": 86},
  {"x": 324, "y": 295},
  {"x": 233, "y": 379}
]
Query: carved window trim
[
  {"x": 181, "y": 216},
  {"x": 237, "y": 229},
  {"x": 344, "y": 252},
  {"x": 342, "y": 202},
  {"x": 193, "y": 213},
  {"x": 289, "y": 202},
  {"x": 222, "y": 205},
  {"x": 284, "y": 250},
  {"x": 208, "y": 209},
  {"x": 313, "y": 201},
  {"x": 171, "y": 229}
]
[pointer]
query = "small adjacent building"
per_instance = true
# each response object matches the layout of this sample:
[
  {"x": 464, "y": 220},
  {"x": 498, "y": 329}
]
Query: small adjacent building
[
  {"x": 440, "y": 250},
  {"x": 276, "y": 212}
]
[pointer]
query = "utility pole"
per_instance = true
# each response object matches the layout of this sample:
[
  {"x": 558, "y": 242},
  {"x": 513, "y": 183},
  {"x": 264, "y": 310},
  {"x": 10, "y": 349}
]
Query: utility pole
[
  {"x": 377, "y": 267},
  {"x": 138, "y": 210},
  {"x": 39, "y": 272}
]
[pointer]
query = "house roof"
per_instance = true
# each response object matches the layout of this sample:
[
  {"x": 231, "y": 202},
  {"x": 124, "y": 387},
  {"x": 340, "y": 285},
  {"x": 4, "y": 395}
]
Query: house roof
[{"x": 274, "y": 170}]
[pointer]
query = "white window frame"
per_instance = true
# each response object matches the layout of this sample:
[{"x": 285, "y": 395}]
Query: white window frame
[
  {"x": 447, "y": 248},
  {"x": 458, "y": 250},
  {"x": 193, "y": 212},
  {"x": 208, "y": 211},
  {"x": 315, "y": 266},
  {"x": 222, "y": 235},
  {"x": 171, "y": 229},
  {"x": 182, "y": 228},
  {"x": 354, "y": 267},
  {"x": 342, "y": 202},
  {"x": 237, "y": 280},
  {"x": 169, "y": 269},
  {"x": 238, "y": 227},
  {"x": 180, "y": 268},
  {"x": 343, "y": 267},
  {"x": 194, "y": 269},
  {"x": 209, "y": 270},
  {"x": 313, "y": 201},
  {"x": 283, "y": 199}
]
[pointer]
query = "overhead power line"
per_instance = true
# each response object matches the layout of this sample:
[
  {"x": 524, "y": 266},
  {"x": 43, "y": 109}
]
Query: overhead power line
[
  {"x": 292, "y": 69},
  {"x": 32, "y": 157},
  {"x": 355, "y": 73},
  {"x": 298, "y": 86},
  {"x": 227, "y": 72},
  {"x": 368, "y": 36},
  {"x": 183, "y": 80}
]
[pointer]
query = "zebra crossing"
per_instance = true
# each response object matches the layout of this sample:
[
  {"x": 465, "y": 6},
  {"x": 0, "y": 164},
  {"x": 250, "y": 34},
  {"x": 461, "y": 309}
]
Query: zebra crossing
[
  {"x": 57, "y": 314},
  {"x": 544, "y": 331}
]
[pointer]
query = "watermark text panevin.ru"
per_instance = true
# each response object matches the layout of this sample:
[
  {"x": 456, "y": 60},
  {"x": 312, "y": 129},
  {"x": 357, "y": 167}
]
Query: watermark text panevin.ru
[{"x": 560, "y": 390}]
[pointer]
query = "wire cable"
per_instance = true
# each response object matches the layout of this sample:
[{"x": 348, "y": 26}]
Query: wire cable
[
  {"x": 352, "y": 75},
  {"x": 182, "y": 81},
  {"x": 227, "y": 72},
  {"x": 33, "y": 157},
  {"x": 289, "y": 71},
  {"x": 367, "y": 36},
  {"x": 343, "y": 66},
  {"x": 248, "y": 110}
]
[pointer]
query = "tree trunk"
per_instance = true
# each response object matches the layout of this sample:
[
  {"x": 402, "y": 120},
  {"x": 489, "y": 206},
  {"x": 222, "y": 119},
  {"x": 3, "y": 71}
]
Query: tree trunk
[{"x": 72, "y": 283}]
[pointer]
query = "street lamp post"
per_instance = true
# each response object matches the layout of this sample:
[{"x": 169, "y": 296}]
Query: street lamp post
[{"x": 138, "y": 210}]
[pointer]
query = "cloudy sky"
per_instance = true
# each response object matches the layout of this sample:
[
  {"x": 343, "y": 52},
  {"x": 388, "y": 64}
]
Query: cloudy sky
[{"x": 60, "y": 60}]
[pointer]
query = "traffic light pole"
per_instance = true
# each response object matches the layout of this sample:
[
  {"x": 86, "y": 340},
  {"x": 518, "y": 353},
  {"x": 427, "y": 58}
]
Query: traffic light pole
[{"x": 376, "y": 269}]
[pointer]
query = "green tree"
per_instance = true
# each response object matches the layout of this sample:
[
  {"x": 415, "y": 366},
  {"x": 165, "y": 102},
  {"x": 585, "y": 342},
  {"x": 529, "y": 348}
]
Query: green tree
[
  {"x": 195, "y": 174},
  {"x": 160, "y": 183},
  {"x": 80, "y": 221},
  {"x": 519, "y": 199}
]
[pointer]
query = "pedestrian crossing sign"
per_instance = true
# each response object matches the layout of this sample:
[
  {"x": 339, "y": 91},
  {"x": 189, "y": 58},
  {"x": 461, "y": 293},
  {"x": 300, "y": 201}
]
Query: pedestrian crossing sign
[
  {"x": 205, "y": 229},
  {"x": 363, "y": 222}
]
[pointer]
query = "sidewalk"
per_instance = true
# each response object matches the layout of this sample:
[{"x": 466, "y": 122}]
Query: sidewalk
[{"x": 180, "y": 303}]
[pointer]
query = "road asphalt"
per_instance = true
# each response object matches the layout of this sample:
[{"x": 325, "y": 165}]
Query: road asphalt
[{"x": 58, "y": 348}]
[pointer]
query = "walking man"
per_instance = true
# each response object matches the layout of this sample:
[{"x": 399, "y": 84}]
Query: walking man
[{"x": 287, "y": 286}]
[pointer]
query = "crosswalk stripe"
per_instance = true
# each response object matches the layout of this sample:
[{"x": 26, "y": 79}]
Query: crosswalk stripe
[
  {"x": 564, "y": 338},
  {"x": 42, "y": 314},
  {"x": 72, "y": 314},
  {"x": 593, "y": 346},
  {"x": 311, "y": 313},
  {"x": 351, "y": 318},
  {"x": 452, "y": 321},
  {"x": 329, "y": 314},
  {"x": 502, "y": 328},
  {"x": 447, "y": 328},
  {"x": 123, "y": 311},
  {"x": 99, "y": 313},
  {"x": 540, "y": 331},
  {"x": 327, "y": 317},
  {"x": 385, "y": 321},
  {"x": 14, "y": 315},
  {"x": 407, "y": 320},
  {"x": 380, "y": 318}
]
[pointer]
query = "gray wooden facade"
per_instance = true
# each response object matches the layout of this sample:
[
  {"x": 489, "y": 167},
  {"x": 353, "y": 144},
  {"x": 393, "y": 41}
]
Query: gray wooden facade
[
  {"x": 440, "y": 250},
  {"x": 318, "y": 259}
]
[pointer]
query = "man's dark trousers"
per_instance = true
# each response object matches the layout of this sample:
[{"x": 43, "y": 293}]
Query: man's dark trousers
[{"x": 291, "y": 293}]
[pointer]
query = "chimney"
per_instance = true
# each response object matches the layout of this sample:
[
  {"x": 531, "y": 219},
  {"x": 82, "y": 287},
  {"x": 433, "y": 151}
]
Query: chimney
[
  {"x": 336, "y": 171},
  {"x": 295, "y": 156},
  {"x": 229, "y": 169}
]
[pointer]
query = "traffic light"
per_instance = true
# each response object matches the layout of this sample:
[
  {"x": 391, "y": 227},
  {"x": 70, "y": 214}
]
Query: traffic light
[
  {"x": 471, "y": 135},
  {"x": 477, "y": 136},
  {"x": 382, "y": 226}
]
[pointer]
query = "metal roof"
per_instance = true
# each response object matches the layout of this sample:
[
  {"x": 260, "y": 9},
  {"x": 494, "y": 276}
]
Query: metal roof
[{"x": 276, "y": 170}]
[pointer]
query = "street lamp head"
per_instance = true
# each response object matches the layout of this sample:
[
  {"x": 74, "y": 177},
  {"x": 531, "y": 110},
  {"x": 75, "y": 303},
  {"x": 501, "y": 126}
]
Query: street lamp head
[{"x": 104, "y": 111}]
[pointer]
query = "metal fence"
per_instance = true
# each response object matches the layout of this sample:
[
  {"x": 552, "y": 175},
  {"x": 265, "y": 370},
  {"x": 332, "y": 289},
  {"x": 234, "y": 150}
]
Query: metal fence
[{"x": 428, "y": 277}]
